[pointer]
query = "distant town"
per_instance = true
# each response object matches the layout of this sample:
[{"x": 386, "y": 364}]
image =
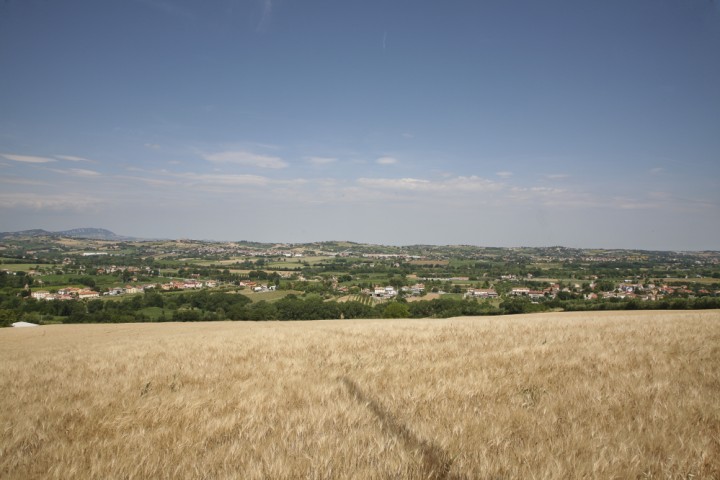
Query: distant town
[{"x": 100, "y": 276}]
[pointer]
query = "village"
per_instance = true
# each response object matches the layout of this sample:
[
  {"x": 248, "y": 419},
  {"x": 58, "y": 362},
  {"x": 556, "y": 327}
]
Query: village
[{"x": 160, "y": 280}]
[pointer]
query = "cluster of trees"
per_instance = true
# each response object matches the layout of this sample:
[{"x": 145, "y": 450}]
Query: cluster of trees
[
  {"x": 18, "y": 280},
  {"x": 206, "y": 305},
  {"x": 697, "y": 303},
  {"x": 313, "y": 307}
]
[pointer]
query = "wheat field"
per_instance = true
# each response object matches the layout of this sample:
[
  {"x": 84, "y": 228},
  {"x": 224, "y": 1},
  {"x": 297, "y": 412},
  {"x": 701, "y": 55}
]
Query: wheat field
[{"x": 563, "y": 395}]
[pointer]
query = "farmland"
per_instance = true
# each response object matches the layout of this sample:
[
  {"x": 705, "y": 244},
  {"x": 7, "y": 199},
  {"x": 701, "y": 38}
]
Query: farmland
[
  {"x": 553, "y": 395},
  {"x": 52, "y": 279}
]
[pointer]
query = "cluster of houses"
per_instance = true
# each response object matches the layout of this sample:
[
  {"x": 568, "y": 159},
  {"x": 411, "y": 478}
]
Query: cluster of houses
[
  {"x": 68, "y": 293},
  {"x": 257, "y": 287},
  {"x": 387, "y": 292},
  {"x": 648, "y": 292},
  {"x": 192, "y": 284},
  {"x": 74, "y": 293},
  {"x": 481, "y": 293},
  {"x": 549, "y": 292}
]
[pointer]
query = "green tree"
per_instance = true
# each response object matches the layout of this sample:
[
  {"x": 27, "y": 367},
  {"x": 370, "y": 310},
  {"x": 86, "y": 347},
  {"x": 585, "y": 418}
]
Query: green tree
[
  {"x": 7, "y": 318},
  {"x": 396, "y": 310}
]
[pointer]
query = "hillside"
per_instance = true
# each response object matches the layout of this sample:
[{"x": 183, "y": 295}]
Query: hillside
[{"x": 89, "y": 233}]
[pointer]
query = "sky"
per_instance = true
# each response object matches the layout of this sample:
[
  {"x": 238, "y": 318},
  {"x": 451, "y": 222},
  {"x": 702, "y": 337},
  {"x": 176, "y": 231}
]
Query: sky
[{"x": 578, "y": 123}]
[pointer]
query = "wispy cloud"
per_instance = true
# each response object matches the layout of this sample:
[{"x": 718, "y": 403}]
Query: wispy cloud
[
  {"x": 657, "y": 171},
  {"x": 157, "y": 182},
  {"x": 76, "y": 172},
  {"x": 504, "y": 174},
  {"x": 386, "y": 161},
  {"x": 246, "y": 159},
  {"x": 72, "y": 158},
  {"x": 27, "y": 158},
  {"x": 229, "y": 180},
  {"x": 82, "y": 172},
  {"x": 556, "y": 176},
  {"x": 626, "y": 203},
  {"x": 267, "y": 9},
  {"x": 234, "y": 180},
  {"x": 455, "y": 184},
  {"x": 397, "y": 183},
  {"x": 21, "y": 181},
  {"x": 321, "y": 160},
  {"x": 49, "y": 201}
]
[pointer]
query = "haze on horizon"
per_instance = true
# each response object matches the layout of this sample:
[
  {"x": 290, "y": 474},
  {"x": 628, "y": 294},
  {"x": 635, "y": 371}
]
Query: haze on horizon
[{"x": 493, "y": 123}]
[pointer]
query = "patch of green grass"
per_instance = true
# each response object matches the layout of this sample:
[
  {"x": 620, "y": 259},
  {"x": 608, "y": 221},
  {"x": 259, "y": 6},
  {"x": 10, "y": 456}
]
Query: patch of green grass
[
  {"x": 703, "y": 280},
  {"x": 21, "y": 267}
]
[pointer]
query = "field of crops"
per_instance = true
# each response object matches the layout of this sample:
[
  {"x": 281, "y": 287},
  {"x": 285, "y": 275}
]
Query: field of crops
[{"x": 561, "y": 395}]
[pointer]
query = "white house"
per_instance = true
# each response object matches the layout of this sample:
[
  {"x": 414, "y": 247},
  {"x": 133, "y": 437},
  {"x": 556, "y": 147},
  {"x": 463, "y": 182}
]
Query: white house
[{"x": 481, "y": 293}]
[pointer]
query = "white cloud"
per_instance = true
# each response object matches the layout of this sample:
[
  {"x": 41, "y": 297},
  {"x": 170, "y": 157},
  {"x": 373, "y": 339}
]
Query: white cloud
[
  {"x": 27, "y": 158},
  {"x": 386, "y": 161},
  {"x": 21, "y": 181},
  {"x": 236, "y": 180},
  {"x": 626, "y": 203},
  {"x": 49, "y": 202},
  {"x": 504, "y": 174},
  {"x": 81, "y": 172},
  {"x": 266, "y": 13},
  {"x": 247, "y": 159},
  {"x": 556, "y": 176},
  {"x": 76, "y": 172},
  {"x": 396, "y": 183},
  {"x": 321, "y": 160},
  {"x": 150, "y": 181},
  {"x": 73, "y": 158},
  {"x": 456, "y": 184},
  {"x": 229, "y": 180}
]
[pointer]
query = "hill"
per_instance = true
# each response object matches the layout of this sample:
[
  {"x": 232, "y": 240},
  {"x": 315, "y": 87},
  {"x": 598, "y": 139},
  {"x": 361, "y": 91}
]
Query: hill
[{"x": 91, "y": 233}]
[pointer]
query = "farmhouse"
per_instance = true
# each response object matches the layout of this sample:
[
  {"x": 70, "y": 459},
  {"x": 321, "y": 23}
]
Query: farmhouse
[
  {"x": 481, "y": 293},
  {"x": 69, "y": 291},
  {"x": 384, "y": 292},
  {"x": 416, "y": 289}
]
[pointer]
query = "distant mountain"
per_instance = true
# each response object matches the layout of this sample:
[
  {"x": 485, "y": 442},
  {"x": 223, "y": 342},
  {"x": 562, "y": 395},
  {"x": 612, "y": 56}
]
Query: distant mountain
[
  {"x": 91, "y": 233},
  {"x": 37, "y": 232},
  {"x": 95, "y": 233}
]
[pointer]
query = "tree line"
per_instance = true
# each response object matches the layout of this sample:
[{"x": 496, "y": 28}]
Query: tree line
[{"x": 206, "y": 306}]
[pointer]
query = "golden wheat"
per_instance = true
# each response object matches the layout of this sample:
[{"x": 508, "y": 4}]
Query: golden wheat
[{"x": 588, "y": 395}]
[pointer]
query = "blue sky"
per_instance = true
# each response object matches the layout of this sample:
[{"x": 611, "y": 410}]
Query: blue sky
[{"x": 496, "y": 123}]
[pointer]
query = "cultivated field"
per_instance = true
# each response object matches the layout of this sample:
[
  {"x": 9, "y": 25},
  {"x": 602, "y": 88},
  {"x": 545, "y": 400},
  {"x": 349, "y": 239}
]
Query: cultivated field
[{"x": 589, "y": 395}]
